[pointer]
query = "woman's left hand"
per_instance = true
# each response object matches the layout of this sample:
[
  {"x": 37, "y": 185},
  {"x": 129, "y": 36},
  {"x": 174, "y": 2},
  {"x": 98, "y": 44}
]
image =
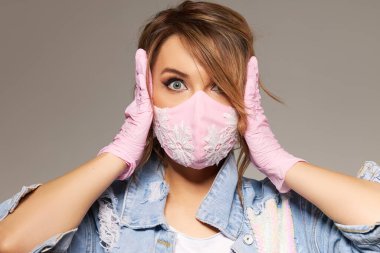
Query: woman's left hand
[{"x": 265, "y": 151}]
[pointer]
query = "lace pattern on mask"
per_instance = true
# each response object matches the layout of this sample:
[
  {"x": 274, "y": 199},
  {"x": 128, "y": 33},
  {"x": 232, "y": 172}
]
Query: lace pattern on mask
[
  {"x": 220, "y": 141},
  {"x": 178, "y": 139}
]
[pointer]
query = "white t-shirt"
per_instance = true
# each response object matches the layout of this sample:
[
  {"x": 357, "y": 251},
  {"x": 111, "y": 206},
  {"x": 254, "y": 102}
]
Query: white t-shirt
[{"x": 215, "y": 243}]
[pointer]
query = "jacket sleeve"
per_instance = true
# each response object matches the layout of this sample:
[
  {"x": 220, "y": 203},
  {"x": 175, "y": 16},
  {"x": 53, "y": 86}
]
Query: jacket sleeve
[
  {"x": 57, "y": 243},
  {"x": 364, "y": 236},
  {"x": 318, "y": 233}
]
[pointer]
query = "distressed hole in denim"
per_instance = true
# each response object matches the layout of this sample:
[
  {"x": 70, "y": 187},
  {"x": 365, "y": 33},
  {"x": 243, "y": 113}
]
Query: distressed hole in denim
[
  {"x": 109, "y": 230},
  {"x": 370, "y": 171},
  {"x": 260, "y": 206},
  {"x": 155, "y": 191}
]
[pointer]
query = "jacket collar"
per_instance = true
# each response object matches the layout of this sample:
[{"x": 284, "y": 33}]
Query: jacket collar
[{"x": 144, "y": 200}]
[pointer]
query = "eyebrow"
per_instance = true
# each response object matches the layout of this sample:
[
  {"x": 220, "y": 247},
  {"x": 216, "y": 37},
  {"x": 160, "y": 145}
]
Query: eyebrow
[{"x": 175, "y": 71}]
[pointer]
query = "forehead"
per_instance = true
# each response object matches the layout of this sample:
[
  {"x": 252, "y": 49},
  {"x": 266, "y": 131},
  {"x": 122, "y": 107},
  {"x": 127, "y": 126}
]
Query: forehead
[
  {"x": 173, "y": 54},
  {"x": 173, "y": 50}
]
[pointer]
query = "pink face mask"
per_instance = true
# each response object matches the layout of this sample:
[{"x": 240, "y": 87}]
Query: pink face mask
[{"x": 198, "y": 132}]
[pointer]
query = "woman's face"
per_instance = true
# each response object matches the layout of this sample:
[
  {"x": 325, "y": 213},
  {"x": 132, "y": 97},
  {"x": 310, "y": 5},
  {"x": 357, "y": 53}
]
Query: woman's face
[{"x": 176, "y": 76}]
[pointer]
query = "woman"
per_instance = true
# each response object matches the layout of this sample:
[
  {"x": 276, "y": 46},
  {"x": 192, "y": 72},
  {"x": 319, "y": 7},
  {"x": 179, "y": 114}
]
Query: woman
[{"x": 179, "y": 187}]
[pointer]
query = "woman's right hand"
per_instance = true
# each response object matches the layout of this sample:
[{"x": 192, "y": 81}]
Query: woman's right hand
[{"x": 130, "y": 142}]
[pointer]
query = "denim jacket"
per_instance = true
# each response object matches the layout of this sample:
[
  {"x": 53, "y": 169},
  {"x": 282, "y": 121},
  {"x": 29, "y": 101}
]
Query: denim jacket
[{"x": 129, "y": 217}]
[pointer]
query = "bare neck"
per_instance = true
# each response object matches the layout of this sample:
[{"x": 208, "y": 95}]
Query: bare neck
[{"x": 188, "y": 185}]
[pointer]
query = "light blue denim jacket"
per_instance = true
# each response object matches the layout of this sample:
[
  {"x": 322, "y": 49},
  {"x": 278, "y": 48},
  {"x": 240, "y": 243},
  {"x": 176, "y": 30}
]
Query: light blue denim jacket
[{"x": 129, "y": 217}]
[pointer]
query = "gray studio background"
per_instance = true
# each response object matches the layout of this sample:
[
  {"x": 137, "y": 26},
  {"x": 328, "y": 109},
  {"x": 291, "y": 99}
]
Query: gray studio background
[{"x": 67, "y": 74}]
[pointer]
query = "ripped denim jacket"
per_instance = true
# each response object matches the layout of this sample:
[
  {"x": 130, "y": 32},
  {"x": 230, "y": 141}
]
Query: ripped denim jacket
[{"x": 129, "y": 217}]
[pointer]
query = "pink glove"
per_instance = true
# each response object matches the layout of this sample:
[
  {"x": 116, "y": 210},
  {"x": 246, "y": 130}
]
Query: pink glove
[
  {"x": 130, "y": 142},
  {"x": 265, "y": 151}
]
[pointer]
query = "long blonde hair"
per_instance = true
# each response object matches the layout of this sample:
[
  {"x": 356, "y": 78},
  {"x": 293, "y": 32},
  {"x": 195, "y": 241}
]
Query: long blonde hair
[{"x": 221, "y": 40}]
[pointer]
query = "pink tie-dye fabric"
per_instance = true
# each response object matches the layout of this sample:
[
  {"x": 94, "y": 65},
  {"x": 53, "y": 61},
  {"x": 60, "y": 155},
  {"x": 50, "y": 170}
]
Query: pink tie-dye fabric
[{"x": 273, "y": 227}]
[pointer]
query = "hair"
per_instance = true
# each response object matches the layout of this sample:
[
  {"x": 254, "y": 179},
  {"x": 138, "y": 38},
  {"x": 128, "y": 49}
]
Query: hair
[{"x": 221, "y": 40}]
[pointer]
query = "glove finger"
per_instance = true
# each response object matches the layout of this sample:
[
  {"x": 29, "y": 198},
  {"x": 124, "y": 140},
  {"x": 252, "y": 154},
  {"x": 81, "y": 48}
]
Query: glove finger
[
  {"x": 252, "y": 79},
  {"x": 141, "y": 61},
  {"x": 141, "y": 92}
]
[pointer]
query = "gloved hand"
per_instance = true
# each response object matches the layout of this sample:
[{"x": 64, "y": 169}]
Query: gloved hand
[
  {"x": 130, "y": 142},
  {"x": 265, "y": 151}
]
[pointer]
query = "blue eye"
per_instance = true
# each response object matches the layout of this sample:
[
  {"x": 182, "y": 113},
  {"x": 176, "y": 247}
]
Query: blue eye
[{"x": 176, "y": 84}]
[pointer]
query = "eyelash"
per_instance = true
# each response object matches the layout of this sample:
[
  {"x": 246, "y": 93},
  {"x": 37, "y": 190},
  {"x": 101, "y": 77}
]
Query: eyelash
[{"x": 171, "y": 80}]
